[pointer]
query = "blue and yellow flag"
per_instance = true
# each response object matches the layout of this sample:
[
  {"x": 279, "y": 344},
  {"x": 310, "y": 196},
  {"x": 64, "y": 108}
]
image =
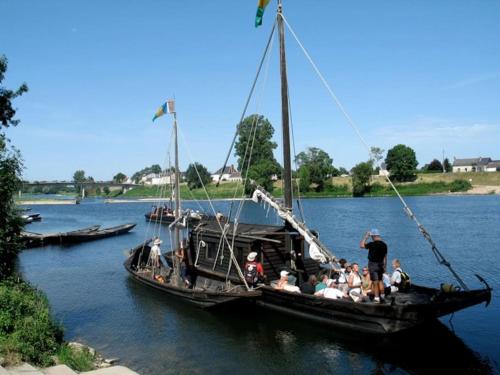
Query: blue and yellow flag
[
  {"x": 161, "y": 111},
  {"x": 260, "y": 12}
]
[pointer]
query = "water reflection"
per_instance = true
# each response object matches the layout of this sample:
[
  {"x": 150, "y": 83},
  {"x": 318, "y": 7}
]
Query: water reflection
[{"x": 275, "y": 343}]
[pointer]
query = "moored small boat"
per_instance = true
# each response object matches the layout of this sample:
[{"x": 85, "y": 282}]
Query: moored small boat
[{"x": 82, "y": 236}]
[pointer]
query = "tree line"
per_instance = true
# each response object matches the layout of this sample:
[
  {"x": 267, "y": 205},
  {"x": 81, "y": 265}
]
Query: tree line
[{"x": 254, "y": 151}]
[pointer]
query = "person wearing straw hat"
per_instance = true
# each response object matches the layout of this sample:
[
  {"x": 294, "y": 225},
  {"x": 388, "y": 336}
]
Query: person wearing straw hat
[
  {"x": 377, "y": 262},
  {"x": 155, "y": 254}
]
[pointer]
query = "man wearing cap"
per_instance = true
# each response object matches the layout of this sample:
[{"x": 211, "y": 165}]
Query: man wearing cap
[
  {"x": 253, "y": 270},
  {"x": 377, "y": 261}
]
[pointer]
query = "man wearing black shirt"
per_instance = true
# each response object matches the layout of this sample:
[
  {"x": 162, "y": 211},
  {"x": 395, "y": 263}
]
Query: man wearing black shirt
[{"x": 377, "y": 261}]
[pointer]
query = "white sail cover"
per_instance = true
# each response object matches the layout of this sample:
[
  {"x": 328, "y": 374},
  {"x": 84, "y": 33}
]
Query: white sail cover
[{"x": 317, "y": 250}]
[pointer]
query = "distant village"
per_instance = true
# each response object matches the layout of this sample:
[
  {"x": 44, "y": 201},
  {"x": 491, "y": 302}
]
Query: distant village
[{"x": 231, "y": 174}]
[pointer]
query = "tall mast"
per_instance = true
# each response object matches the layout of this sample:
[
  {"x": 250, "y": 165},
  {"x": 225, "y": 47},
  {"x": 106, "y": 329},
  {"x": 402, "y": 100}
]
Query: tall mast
[
  {"x": 171, "y": 109},
  {"x": 287, "y": 168}
]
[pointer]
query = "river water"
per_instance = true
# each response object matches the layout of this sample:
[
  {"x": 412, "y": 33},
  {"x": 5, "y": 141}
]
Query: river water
[{"x": 98, "y": 304}]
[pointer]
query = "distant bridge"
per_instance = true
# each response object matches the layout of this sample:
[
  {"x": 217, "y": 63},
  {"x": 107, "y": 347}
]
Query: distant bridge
[
  {"x": 113, "y": 186},
  {"x": 86, "y": 183}
]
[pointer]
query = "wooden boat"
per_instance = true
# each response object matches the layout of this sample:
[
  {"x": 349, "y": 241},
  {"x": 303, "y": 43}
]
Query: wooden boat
[
  {"x": 283, "y": 248},
  {"x": 145, "y": 266},
  {"x": 35, "y": 216},
  {"x": 209, "y": 258},
  {"x": 205, "y": 293},
  {"x": 33, "y": 239},
  {"x": 164, "y": 215},
  {"x": 79, "y": 236}
]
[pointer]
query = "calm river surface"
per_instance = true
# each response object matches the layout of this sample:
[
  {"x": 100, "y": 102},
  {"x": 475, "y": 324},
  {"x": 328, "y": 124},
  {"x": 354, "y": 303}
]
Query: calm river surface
[{"x": 98, "y": 304}]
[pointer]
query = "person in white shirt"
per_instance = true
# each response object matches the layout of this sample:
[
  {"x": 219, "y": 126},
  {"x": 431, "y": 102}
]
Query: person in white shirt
[
  {"x": 283, "y": 283},
  {"x": 155, "y": 254},
  {"x": 331, "y": 292},
  {"x": 396, "y": 275}
]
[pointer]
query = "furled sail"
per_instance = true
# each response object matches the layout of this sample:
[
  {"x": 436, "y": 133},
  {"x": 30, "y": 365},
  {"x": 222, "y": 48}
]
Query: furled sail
[{"x": 317, "y": 250}]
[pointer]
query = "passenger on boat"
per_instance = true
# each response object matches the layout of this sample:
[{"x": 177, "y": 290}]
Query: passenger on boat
[
  {"x": 309, "y": 287},
  {"x": 283, "y": 284},
  {"x": 354, "y": 283},
  {"x": 323, "y": 284},
  {"x": 340, "y": 276},
  {"x": 331, "y": 292},
  {"x": 155, "y": 255},
  {"x": 181, "y": 258},
  {"x": 253, "y": 270},
  {"x": 377, "y": 261},
  {"x": 400, "y": 280},
  {"x": 366, "y": 284},
  {"x": 219, "y": 216}
]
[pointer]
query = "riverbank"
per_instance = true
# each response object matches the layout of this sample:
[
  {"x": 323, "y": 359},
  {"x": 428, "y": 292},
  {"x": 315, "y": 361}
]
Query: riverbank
[
  {"x": 480, "y": 183},
  {"x": 29, "y": 334},
  {"x": 32, "y": 201}
]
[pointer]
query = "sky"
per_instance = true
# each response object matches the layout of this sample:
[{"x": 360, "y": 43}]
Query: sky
[{"x": 425, "y": 74}]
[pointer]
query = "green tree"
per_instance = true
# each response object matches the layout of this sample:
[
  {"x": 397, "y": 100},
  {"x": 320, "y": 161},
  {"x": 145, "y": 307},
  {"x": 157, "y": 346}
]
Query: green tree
[
  {"x": 401, "y": 162},
  {"x": 11, "y": 167},
  {"x": 319, "y": 164},
  {"x": 106, "y": 190},
  {"x": 304, "y": 179},
  {"x": 155, "y": 168},
  {"x": 119, "y": 178},
  {"x": 79, "y": 177},
  {"x": 435, "y": 165},
  {"x": 361, "y": 174},
  {"x": 193, "y": 180},
  {"x": 376, "y": 154},
  {"x": 7, "y": 112},
  {"x": 342, "y": 171},
  {"x": 447, "y": 166},
  {"x": 262, "y": 174},
  {"x": 255, "y": 135},
  {"x": 255, "y": 147}
]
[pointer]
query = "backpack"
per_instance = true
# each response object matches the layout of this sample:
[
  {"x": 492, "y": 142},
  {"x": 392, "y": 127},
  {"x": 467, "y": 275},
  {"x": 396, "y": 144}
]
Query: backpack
[
  {"x": 250, "y": 273},
  {"x": 405, "y": 281}
]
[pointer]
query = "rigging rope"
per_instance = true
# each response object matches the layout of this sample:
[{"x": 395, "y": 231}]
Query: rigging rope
[
  {"x": 233, "y": 258},
  {"x": 407, "y": 209}
]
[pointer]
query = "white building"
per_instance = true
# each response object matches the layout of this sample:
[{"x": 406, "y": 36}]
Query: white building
[
  {"x": 230, "y": 173},
  {"x": 493, "y": 166},
  {"x": 158, "y": 179},
  {"x": 383, "y": 170},
  {"x": 470, "y": 165}
]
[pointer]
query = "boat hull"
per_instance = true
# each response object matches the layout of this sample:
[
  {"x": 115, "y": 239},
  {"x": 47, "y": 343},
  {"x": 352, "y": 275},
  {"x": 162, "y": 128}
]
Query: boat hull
[
  {"x": 198, "y": 296},
  {"x": 393, "y": 316},
  {"x": 73, "y": 237}
]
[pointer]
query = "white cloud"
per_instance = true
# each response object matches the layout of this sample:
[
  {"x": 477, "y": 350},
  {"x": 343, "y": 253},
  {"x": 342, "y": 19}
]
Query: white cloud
[
  {"x": 430, "y": 137},
  {"x": 474, "y": 81},
  {"x": 432, "y": 129}
]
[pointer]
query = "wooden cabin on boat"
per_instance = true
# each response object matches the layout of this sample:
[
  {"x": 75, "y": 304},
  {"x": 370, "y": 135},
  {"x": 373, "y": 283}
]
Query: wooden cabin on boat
[{"x": 209, "y": 253}]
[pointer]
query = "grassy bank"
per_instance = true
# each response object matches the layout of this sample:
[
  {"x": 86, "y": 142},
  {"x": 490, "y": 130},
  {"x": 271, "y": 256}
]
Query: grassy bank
[
  {"x": 225, "y": 190},
  {"x": 28, "y": 331},
  {"x": 475, "y": 178},
  {"x": 333, "y": 190},
  {"x": 425, "y": 184}
]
